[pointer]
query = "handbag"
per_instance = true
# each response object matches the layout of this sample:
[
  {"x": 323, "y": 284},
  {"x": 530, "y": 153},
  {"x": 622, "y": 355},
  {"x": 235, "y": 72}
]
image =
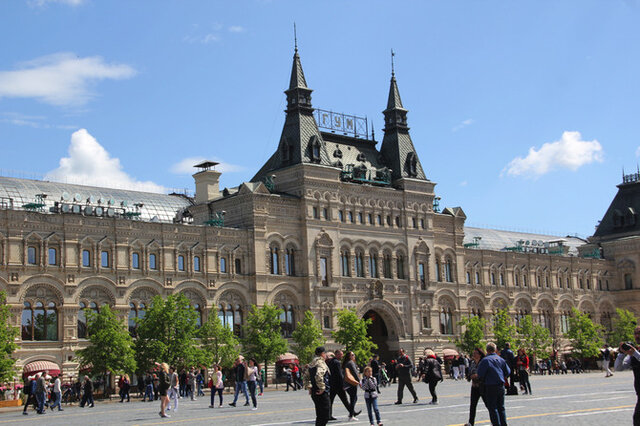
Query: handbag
[{"x": 348, "y": 377}]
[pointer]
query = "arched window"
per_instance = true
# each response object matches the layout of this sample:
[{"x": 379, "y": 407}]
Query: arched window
[
  {"x": 628, "y": 282},
  {"x": 86, "y": 258},
  {"x": 516, "y": 279},
  {"x": 53, "y": 256},
  {"x": 493, "y": 278},
  {"x": 32, "y": 255},
  {"x": 180, "y": 263},
  {"x": 524, "y": 280},
  {"x": 359, "y": 264},
  {"x": 438, "y": 271},
  {"x": 344, "y": 263},
  {"x": 274, "y": 260},
  {"x": 373, "y": 264},
  {"x": 400, "y": 266},
  {"x": 468, "y": 277},
  {"x": 238, "y": 266},
  {"x": 39, "y": 322},
  {"x": 135, "y": 260},
  {"x": 198, "y": 309},
  {"x": 422, "y": 276},
  {"x": 564, "y": 321},
  {"x": 386, "y": 265},
  {"x": 501, "y": 277},
  {"x": 152, "y": 262},
  {"x": 82, "y": 321},
  {"x": 448, "y": 268},
  {"x": 231, "y": 317},
  {"x": 223, "y": 265},
  {"x": 104, "y": 259},
  {"x": 446, "y": 321},
  {"x": 289, "y": 261},
  {"x": 135, "y": 311},
  {"x": 196, "y": 263},
  {"x": 286, "y": 320},
  {"x": 477, "y": 277}
]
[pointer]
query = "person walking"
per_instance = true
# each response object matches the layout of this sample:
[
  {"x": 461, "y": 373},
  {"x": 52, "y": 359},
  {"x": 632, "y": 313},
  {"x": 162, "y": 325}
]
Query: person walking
[
  {"x": 351, "y": 382},
  {"x": 30, "y": 390},
  {"x": 164, "y": 382},
  {"x": 148, "y": 388},
  {"x": 289, "y": 376},
  {"x": 369, "y": 385},
  {"x": 455, "y": 367},
  {"x": 87, "y": 396},
  {"x": 432, "y": 374},
  {"x": 476, "y": 384},
  {"x": 57, "y": 394},
  {"x": 522, "y": 364},
  {"x": 216, "y": 385},
  {"x": 241, "y": 381},
  {"x": 403, "y": 373},
  {"x": 40, "y": 392},
  {"x": 261, "y": 379},
  {"x": 375, "y": 370},
  {"x": 606, "y": 359},
  {"x": 319, "y": 386},
  {"x": 252, "y": 378},
  {"x": 510, "y": 359},
  {"x": 337, "y": 383},
  {"x": 173, "y": 392},
  {"x": 629, "y": 358},
  {"x": 492, "y": 371},
  {"x": 125, "y": 386},
  {"x": 192, "y": 385}
]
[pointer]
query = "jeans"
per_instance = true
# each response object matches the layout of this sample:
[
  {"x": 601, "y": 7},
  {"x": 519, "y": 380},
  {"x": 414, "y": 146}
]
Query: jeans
[
  {"x": 402, "y": 382},
  {"x": 215, "y": 391},
  {"x": 57, "y": 398},
  {"x": 241, "y": 386},
  {"x": 40, "y": 397},
  {"x": 261, "y": 384},
  {"x": 494, "y": 400},
  {"x": 372, "y": 407},
  {"x": 200, "y": 393},
  {"x": 173, "y": 394},
  {"x": 87, "y": 398},
  {"x": 148, "y": 392},
  {"x": 251, "y": 384},
  {"x": 475, "y": 397},
  {"x": 323, "y": 407},
  {"x": 352, "y": 391}
]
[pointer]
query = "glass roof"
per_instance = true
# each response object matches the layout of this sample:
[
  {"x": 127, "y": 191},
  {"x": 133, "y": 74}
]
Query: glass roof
[
  {"x": 493, "y": 239},
  {"x": 92, "y": 200}
]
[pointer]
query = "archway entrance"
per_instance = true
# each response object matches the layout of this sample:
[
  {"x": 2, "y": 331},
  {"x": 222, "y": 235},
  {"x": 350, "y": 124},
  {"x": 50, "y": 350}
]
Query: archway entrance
[{"x": 380, "y": 335}]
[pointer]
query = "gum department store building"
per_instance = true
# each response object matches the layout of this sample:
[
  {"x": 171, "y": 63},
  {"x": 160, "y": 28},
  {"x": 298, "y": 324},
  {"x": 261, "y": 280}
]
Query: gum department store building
[{"x": 329, "y": 222}]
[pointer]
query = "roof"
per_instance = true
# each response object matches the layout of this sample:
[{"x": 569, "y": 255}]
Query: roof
[
  {"x": 156, "y": 207},
  {"x": 497, "y": 240},
  {"x": 621, "y": 217}
]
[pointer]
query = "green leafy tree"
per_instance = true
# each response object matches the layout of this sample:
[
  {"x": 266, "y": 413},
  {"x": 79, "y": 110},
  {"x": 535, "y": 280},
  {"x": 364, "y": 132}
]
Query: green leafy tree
[
  {"x": 218, "y": 343},
  {"x": 307, "y": 337},
  {"x": 167, "y": 333},
  {"x": 533, "y": 338},
  {"x": 352, "y": 334},
  {"x": 504, "y": 331},
  {"x": 473, "y": 335},
  {"x": 262, "y": 337},
  {"x": 622, "y": 328},
  {"x": 584, "y": 335},
  {"x": 8, "y": 334},
  {"x": 110, "y": 345}
]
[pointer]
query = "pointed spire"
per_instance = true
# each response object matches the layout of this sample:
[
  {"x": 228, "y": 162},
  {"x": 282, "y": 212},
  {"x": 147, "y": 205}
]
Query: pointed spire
[
  {"x": 394, "y": 101},
  {"x": 297, "y": 75}
]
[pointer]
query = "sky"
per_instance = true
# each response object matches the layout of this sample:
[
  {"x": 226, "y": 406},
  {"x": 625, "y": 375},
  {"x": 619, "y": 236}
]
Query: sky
[{"x": 524, "y": 113}]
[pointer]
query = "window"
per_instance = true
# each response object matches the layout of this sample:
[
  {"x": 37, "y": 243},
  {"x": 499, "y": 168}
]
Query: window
[
  {"x": 326, "y": 321},
  {"x": 447, "y": 271},
  {"x": 135, "y": 260},
  {"x": 196, "y": 264},
  {"x": 31, "y": 256},
  {"x": 39, "y": 322},
  {"x": 358, "y": 263},
  {"x": 315, "y": 213},
  {"x": 600, "y": 285},
  {"x": 414, "y": 223},
  {"x": 606, "y": 284},
  {"x": 345, "y": 270},
  {"x": 538, "y": 283},
  {"x": 588, "y": 283},
  {"x": 524, "y": 280},
  {"x": 323, "y": 271},
  {"x": 628, "y": 282},
  {"x": 181, "y": 263},
  {"x": 135, "y": 311},
  {"x": 286, "y": 321},
  {"x": 341, "y": 215},
  {"x": 425, "y": 321},
  {"x": 370, "y": 218},
  {"x": 350, "y": 216},
  {"x": 581, "y": 283},
  {"x": 325, "y": 214},
  {"x": 477, "y": 277},
  {"x": 502, "y": 279},
  {"x": 398, "y": 221},
  {"x": 388, "y": 220},
  {"x": 446, "y": 321},
  {"x": 422, "y": 223},
  {"x": 468, "y": 277},
  {"x": 438, "y": 274},
  {"x": 400, "y": 266},
  {"x": 104, "y": 259},
  {"x": 386, "y": 266},
  {"x": 373, "y": 264},
  {"x": 223, "y": 265},
  {"x": 516, "y": 280},
  {"x": 231, "y": 317},
  {"x": 564, "y": 321},
  {"x": 289, "y": 262},
  {"x": 238, "y": 266},
  {"x": 421, "y": 276},
  {"x": 152, "y": 262},
  {"x": 379, "y": 220},
  {"x": 493, "y": 278},
  {"x": 275, "y": 261},
  {"x": 82, "y": 321},
  {"x": 360, "y": 218},
  {"x": 53, "y": 256},
  {"x": 86, "y": 258}
]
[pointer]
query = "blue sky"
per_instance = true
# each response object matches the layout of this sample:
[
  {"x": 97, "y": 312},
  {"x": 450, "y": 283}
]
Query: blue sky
[{"x": 524, "y": 113}]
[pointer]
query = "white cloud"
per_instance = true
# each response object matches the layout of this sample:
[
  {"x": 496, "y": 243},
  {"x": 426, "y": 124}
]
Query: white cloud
[
  {"x": 185, "y": 166},
  {"x": 61, "y": 79},
  {"x": 90, "y": 164},
  {"x": 211, "y": 34},
  {"x": 464, "y": 183},
  {"x": 34, "y": 121},
  {"x": 570, "y": 152},
  {"x": 42, "y": 3},
  {"x": 236, "y": 29},
  {"x": 463, "y": 124},
  {"x": 638, "y": 152}
]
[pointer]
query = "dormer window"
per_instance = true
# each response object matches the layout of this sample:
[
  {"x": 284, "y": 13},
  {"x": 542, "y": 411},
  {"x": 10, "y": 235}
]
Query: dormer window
[
  {"x": 337, "y": 153},
  {"x": 315, "y": 149},
  {"x": 412, "y": 164},
  {"x": 361, "y": 157}
]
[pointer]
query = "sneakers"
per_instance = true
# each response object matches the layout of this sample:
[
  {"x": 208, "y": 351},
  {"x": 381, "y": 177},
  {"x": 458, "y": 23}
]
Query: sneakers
[
  {"x": 415, "y": 400},
  {"x": 398, "y": 403},
  {"x": 356, "y": 413},
  {"x": 254, "y": 408},
  {"x": 212, "y": 406},
  {"x": 233, "y": 404},
  {"x": 433, "y": 403},
  {"x": 353, "y": 419},
  {"x": 246, "y": 404}
]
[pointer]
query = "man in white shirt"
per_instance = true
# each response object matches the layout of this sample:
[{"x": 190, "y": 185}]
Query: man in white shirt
[
  {"x": 173, "y": 392},
  {"x": 57, "y": 393}
]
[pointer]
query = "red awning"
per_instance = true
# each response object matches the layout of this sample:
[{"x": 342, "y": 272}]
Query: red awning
[
  {"x": 287, "y": 358},
  {"x": 41, "y": 366},
  {"x": 449, "y": 353}
]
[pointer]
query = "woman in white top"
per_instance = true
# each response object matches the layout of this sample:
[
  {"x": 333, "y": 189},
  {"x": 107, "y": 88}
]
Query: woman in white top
[
  {"x": 252, "y": 374},
  {"x": 217, "y": 386}
]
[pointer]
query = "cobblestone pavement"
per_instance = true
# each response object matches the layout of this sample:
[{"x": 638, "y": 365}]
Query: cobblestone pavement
[{"x": 583, "y": 399}]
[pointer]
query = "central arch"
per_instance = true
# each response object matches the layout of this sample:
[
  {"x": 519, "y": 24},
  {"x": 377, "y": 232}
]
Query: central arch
[{"x": 385, "y": 328}]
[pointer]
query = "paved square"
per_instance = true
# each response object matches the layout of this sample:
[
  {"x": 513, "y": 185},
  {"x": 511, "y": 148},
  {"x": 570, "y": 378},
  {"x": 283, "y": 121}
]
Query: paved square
[{"x": 584, "y": 399}]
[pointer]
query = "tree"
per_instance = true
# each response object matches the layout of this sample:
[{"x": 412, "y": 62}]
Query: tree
[
  {"x": 504, "y": 330},
  {"x": 307, "y": 337},
  {"x": 218, "y": 343},
  {"x": 110, "y": 345},
  {"x": 622, "y": 328},
  {"x": 8, "y": 335},
  {"x": 533, "y": 338},
  {"x": 167, "y": 334},
  {"x": 584, "y": 335},
  {"x": 473, "y": 335},
  {"x": 352, "y": 334},
  {"x": 262, "y": 337}
]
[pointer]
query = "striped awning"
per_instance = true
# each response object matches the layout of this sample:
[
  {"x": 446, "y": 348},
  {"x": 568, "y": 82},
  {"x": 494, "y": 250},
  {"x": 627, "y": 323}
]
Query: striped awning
[{"x": 40, "y": 366}]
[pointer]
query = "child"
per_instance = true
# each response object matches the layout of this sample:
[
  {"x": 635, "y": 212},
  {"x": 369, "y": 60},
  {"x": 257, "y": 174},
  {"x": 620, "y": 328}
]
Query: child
[{"x": 369, "y": 386}]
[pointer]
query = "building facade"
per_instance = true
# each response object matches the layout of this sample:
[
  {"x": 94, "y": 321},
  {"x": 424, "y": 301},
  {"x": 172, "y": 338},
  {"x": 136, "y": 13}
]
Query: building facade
[{"x": 329, "y": 222}]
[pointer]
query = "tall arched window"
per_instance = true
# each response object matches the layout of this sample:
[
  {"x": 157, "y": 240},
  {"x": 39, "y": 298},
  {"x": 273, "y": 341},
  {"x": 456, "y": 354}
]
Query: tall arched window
[
  {"x": 231, "y": 317},
  {"x": 82, "y": 321},
  {"x": 32, "y": 255},
  {"x": 223, "y": 265},
  {"x": 135, "y": 311},
  {"x": 477, "y": 277},
  {"x": 39, "y": 322},
  {"x": 180, "y": 263},
  {"x": 422, "y": 276},
  {"x": 286, "y": 320},
  {"x": 344, "y": 263},
  {"x": 373, "y": 264},
  {"x": 274, "y": 260},
  {"x": 386, "y": 265},
  {"x": 448, "y": 268},
  {"x": 135, "y": 260},
  {"x": 446, "y": 321},
  {"x": 53, "y": 256},
  {"x": 400, "y": 266},
  {"x": 196, "y": 263},
  {"x": 238, "y": 266},
  {"x": 289, "y": 261},
  {"x": 359, "y": 264},
  {"x": 152, "y": 262}
]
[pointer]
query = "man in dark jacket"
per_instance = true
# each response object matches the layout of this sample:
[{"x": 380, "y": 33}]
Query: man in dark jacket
[
  {"x": 492, "y": 371},
  {"x": 510, "y": 358},
  {"x": 87, "y": 397},
  {"x": 337, "y": 382},
  {"x": 375, "y": 371},
  {"x": 403, "y": 368},
  {"x": 30, "y": 390},
  {"x": 41, "y": 392}
]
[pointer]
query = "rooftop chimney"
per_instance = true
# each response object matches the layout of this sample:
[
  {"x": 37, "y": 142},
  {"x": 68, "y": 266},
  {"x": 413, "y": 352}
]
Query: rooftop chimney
[{"x": 207, "y": 188}]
